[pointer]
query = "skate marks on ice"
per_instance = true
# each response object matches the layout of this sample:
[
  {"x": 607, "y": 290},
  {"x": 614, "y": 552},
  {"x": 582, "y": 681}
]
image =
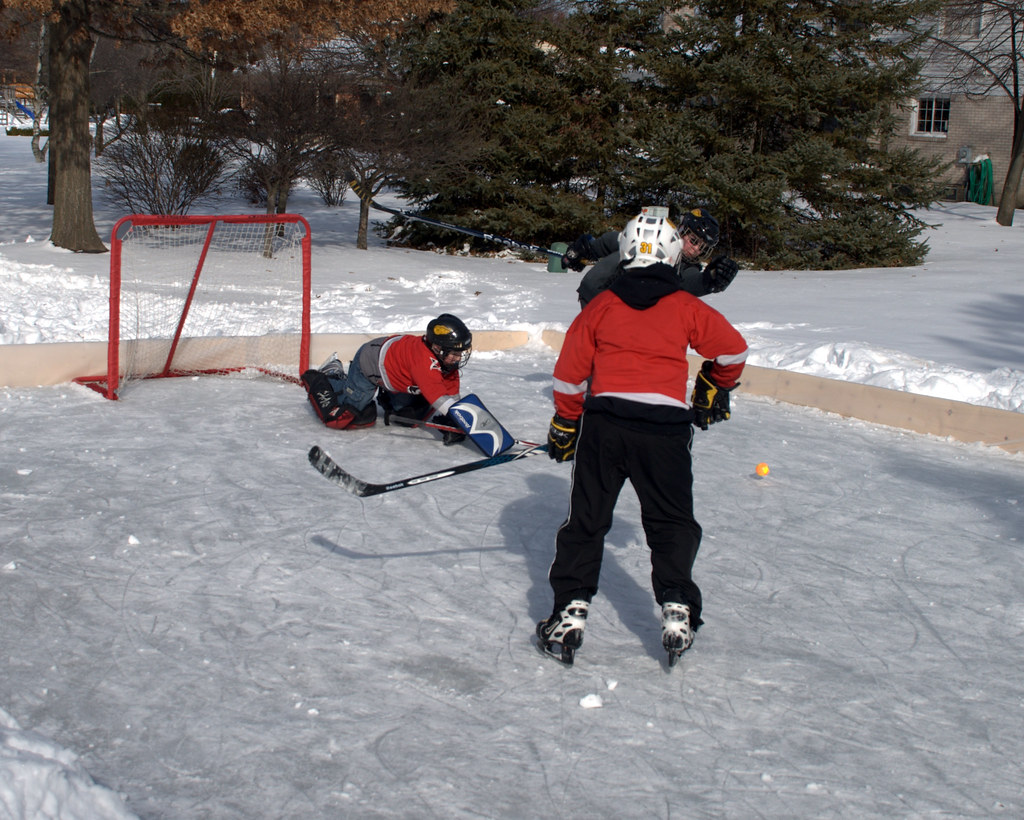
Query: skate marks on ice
[
  {"x": 344, "y": 552},
  {"x": 873, "y": 567},
  {"x": 176, "y": 616}
]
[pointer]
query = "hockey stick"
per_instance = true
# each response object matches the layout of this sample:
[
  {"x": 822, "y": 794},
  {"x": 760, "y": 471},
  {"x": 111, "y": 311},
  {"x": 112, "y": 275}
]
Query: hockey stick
[
  {"x": 490, "y": 237},
  {"x": 332, "y": 471}
]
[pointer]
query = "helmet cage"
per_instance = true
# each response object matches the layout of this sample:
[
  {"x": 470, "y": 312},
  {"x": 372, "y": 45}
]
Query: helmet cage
[
  {"x": 444, "y": 357},
  {"x": 649, "y": 240},
  {"x": 702, "y": 230},
  {"x": 700, "y": 246}
]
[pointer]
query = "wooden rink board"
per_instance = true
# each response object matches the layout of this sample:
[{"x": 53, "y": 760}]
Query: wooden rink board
[
  {"x": 58, "y": 363},
  {"x": 893, "y": 408},
  {"x": 41, "y": 365}
]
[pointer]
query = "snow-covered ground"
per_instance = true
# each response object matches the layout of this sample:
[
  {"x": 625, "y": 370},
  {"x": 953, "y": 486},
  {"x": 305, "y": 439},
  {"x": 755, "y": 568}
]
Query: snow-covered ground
[
  {"x": 951, "y": 327},
  {"x": 197, "y": 625}
]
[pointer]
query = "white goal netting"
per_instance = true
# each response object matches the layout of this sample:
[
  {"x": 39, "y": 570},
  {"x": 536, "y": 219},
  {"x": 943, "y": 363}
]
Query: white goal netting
[{"x": 207, "y": 294}]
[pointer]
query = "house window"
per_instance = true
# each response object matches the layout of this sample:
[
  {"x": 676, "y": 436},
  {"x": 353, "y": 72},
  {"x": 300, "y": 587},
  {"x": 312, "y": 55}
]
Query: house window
[
  {"x": 962, "y": 19},
  {"x": 933, "y": 115}
]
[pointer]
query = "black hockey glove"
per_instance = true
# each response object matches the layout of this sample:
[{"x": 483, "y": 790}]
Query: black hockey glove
[
  {"x": 449, "y": 437},
  {"x": 384, "y": 400},
  {"x": 710, "y": 402},
  {"x": 562, "y": 439},
  {"x": 409, "y": 416},
  {"x": 719, "y": 273},
  {"x": 579, "y": 254}
]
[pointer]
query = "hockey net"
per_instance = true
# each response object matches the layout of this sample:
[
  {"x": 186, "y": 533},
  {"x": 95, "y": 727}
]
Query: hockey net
[{"x": 192, "y": 295}]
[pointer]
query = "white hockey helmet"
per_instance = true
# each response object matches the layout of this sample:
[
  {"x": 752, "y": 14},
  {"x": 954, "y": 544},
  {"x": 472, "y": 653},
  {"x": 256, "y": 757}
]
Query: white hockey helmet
[{"x": 649, "y": 238}]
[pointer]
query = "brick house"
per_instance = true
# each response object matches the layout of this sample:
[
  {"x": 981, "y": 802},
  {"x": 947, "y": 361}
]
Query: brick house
[{"x": 957, "y": 118}]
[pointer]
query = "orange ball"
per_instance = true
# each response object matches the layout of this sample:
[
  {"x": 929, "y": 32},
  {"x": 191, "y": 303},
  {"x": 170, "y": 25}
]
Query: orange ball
[{"x": 762, "y": 469}]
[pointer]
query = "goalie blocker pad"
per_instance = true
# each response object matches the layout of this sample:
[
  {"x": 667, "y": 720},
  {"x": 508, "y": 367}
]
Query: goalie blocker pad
[
  {"x": 476, "y": 420},
  {"x": 323, "y": 398}
]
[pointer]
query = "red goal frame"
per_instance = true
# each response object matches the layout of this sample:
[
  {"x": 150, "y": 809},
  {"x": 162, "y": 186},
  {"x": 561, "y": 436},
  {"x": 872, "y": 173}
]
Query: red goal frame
[{"x": 109, "y": 384}]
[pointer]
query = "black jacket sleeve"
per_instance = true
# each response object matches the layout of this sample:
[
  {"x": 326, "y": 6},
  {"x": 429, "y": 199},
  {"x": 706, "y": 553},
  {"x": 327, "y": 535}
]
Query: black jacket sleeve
[
  {"x": 606, "y": 243},
  {"x": 601, "y": 274},
  {"x": 604, "y": 271},
  {"x": 691, "y": 278}
]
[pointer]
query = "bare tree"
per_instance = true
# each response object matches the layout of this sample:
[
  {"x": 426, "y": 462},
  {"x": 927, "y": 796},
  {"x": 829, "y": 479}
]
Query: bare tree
[
  {"x": 162, "y": 168},
  {"x": 234, "y": 27},
  {"x": 288, "y": 102},
  {"x": 40, "y": 90},
  {"x": 329, "y": 176},
  {"x": 122, "y": 76},
  {"x": 25, "y": 61},
  {"x": 404, "y": 133},
  {"x": 977, "y": 48}
]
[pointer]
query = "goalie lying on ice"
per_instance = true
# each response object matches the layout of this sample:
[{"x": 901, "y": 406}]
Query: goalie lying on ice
[{"x": 414, "y": 378}]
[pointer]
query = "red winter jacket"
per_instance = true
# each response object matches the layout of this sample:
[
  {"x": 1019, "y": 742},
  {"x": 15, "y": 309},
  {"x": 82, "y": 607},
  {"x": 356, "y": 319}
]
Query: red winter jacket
[
  {"x": 404, "y": 364},
  {"x": 628, "y": 346}
]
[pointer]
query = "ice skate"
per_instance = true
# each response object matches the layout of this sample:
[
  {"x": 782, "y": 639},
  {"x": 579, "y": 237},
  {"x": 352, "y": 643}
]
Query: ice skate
[
  {"x": 333, "y": 366},
  {"x": 676, "y": 630},
  {"x": 562, "y": 633}
]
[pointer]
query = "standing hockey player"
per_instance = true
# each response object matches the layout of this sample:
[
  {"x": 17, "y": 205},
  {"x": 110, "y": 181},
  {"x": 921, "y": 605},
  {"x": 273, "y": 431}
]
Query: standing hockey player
[
  {"x": 621, "y": 412},
  {"x": 416, "y": 376},
  {"x": 699, "y": 232}
]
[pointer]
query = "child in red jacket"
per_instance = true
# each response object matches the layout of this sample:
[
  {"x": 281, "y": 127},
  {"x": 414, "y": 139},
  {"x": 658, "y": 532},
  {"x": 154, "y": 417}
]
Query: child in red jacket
[{"x": 621, "y": 411}]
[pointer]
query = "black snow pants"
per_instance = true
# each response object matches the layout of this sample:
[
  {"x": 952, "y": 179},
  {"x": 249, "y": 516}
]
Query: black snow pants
[{"x": 659, "y": 468}]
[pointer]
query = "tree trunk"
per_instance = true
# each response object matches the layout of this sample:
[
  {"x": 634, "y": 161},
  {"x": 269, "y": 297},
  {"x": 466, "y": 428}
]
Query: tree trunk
[
  {"x": 281, "y": 206},
  {"x": 51, "y": 185},
  {"x": 273, "y": 193},
  {"x": 40, "y": 106},
  {"x": 98, "y": 139},
  {"x": 364, "y": 221},
  {"x": 70, "y": 52},
  {"x": 1008, "y": 198},
  {"x": 39, "y": 153}
]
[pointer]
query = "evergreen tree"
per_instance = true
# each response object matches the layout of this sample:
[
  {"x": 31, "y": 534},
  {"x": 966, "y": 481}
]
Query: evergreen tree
[
  {"x": 496, "y": 55},
  {"x": 593, "y": 62},
  {"x": 774, "y": 114}
]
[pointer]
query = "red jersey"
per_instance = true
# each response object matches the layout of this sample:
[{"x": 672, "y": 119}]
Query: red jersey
[
  {"x": 407, "y": 365},
  {"x": 633, "y": 356}
]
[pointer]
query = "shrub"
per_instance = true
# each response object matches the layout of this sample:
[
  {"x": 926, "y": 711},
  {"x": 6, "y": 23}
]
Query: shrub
[{"x": 162, "y": 169}]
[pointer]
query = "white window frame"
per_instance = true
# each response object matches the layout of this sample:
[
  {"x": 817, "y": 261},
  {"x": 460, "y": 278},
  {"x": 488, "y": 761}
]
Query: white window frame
[{"x": 930, "y": 117}]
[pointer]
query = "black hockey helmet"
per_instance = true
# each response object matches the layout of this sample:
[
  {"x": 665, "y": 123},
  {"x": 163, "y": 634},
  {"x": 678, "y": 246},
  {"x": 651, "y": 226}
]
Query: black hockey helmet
[
  {"x": 447, "y": 337},
  {"x": 703, "y": 231}
]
